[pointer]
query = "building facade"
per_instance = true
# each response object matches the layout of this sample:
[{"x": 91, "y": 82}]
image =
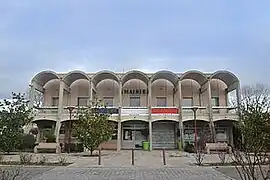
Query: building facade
[{"x": 163, "y": 108}]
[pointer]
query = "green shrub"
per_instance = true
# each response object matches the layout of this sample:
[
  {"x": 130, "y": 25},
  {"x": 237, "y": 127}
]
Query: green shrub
[
  {"x": 74, "y": 147},
  {"x": 49, "y": 135},
  {"x": 27, "y": 142},
  {"x": 62, "y": 160},
  {"x": 26, "y": 158},
  {"x": 42, "y": 159}
]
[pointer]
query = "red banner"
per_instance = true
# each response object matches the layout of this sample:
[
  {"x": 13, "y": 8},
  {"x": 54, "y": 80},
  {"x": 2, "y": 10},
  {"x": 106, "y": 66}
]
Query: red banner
[{"x": 165, "y": 111}]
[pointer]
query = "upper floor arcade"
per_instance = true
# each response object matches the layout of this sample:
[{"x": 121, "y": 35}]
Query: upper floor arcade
[
  {"x": 136, "y": 89},
  {"x": 138, "y": 93}
]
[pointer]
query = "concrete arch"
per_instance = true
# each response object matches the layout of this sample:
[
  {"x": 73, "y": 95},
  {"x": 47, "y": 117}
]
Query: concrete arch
[
  {"x": 134, "y": 74},
  {"x": 72, "y": 76},
  {"x": 164, "y": 120},
  {"x": 202, "y": 120},
  {"x": 164, "y": 74},
  {"x": 142, "y": 120},
  {"x": 226, "y": 76},
  {"x": 44, "y": 77},
  {"x": 42, "y": 119},
  {"x": 195, "y": 75},
  {"x": 102, "y": 75},
  {"x": 219, "y": 120}
]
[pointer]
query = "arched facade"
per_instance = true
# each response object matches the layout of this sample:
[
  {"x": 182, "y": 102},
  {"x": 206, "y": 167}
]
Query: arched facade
[
  {"x": 78, "y": 83},
  {"x": 134, "y": 89},
  {"x": 106, "y": 86},
  {"x": 153, "y": 104}
]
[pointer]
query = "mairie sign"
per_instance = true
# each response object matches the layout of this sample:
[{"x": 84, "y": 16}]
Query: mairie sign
[{"x": 134, "y": 91}]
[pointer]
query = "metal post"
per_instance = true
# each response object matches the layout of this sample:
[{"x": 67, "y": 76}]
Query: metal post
[
  {"x": 132, "y": 156},
  {"x": 99, "y": 156},
  {"x": 69, "y": 129},
  {"x": 164, "y": 157},
  {"x": 195, "y": 126}
]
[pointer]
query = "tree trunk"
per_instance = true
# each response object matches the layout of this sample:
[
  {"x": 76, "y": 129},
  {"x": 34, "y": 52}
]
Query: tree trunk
[{"x": 91, "y": 151}]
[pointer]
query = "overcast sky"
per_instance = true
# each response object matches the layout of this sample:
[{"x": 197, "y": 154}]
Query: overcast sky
[{"x": 150, "y": 35}]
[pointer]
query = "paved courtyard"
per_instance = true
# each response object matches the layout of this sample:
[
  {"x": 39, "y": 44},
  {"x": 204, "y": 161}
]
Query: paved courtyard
[
  {"x": 117, "y": 165},
  {"x": 121, "y": 173}
]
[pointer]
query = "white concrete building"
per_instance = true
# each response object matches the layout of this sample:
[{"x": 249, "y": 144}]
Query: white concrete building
[{"x": 155, "y": 107}]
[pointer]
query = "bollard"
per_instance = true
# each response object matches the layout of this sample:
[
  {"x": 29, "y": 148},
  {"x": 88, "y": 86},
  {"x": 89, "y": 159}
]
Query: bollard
[
  {"x": 132, "y": 157},
  {"x": 164, "y": 157},
  {"x": 99, "y": 156}
]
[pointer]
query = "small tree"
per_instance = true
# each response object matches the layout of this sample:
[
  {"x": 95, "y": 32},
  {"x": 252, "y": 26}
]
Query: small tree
[
  {"x": 92, "y": 127},
  {"x": 254, "y": 126},
  {"x": 200, "y": 146},
  {"x": 14, "y": 114}
]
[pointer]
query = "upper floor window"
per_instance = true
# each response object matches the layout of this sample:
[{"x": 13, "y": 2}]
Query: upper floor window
[
  {"x": 215, "y": 101},
  {"x": 161, "y": 101},
  {"x": 83, "y": 101},
  {"x": 55, "y": 101},
  {"x": 108, "y": 101},
  {"x": 187, "y": 101},
  {"x": 135, "y": 102}
]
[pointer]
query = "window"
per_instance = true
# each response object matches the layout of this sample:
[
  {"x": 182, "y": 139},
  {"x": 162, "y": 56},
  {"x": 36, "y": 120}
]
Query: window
[
  {"x": 187, "y": 102},
  {"x": 135, "y": 102},
  {"x": 215, "y": 101},
  {"x": 127, "y": 134},
  {"x": 55, "y": 101},
  {"x": 83, "y": 101},
  {"x": 161, "y": 101},
  {"x": 108, "y": 101}
]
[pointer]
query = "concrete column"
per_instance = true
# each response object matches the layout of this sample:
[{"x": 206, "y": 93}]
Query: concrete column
[
  {"x": 238, "y": 99},
  {"x": 119, "y": 130},
  {"x": 31, "y": 96},
  {"x": 238, "y": 96},
  {"x": 226, "y": 97},
  {"x": 231, "y": 135},
  {"x": 60, "y": 110},
  {"x": 181, "y": 127},
  {"x": 31, "y": 106},
  {"x": 90, "y": 93},
  {"x": 149, "y": 113},
  {"x": 119, "y": 135},
  {"x": 120, "y": 94},
  {"x": 210, "y": 111}
]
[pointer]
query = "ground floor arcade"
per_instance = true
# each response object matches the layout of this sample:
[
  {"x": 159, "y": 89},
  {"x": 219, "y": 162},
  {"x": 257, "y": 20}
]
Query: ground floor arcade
[{"x": 131, "y": 134}]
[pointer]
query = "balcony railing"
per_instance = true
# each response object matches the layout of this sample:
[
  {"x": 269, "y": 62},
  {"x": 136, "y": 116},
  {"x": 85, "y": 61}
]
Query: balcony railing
[
  {"x": 224, "y": 112},
  {"x": 49, "y": 112},
  {"x": 201, "y": 111},
  {"x": 109, "y": 110},
  {"x": 134, "y": 111}
]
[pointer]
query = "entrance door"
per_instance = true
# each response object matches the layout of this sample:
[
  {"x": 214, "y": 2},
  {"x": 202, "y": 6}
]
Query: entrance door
[
  {"x": 132, "y": 134},
  {"x": 139, "y": 138},
  {"x": 128, "y": 140}
]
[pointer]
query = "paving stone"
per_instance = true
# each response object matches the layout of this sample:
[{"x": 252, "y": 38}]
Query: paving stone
[{"x": 200, "y": 173}]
